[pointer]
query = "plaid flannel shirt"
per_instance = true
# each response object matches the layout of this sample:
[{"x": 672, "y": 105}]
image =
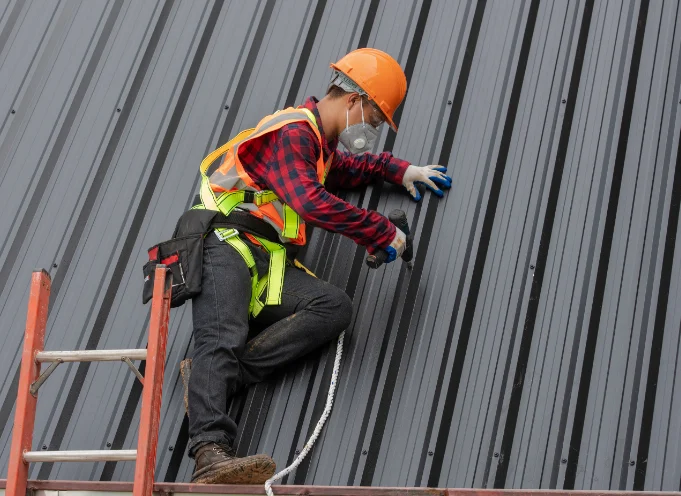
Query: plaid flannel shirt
[{"x": 286, "y": 163}]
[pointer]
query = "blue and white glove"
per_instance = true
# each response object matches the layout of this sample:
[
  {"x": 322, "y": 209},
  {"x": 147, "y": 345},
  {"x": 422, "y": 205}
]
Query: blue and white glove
[
  {"x": 432, "y": 176},
  {"x": 397, "y": 246}
]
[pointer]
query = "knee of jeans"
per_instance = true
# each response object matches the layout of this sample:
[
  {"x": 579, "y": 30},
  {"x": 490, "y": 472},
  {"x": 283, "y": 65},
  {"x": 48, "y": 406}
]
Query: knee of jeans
[{"x": 342, "y": 311}]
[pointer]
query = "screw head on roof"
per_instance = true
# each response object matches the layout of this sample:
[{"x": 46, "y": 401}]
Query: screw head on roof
[
  {"x": 118, "y": 110},
  {"x": 108, "y": 445},
  {"x": 226, "y": 107},
  {"x": 44, "y": 447},
  {"x": 531, "y": 267},
  {"x": 14, "y": 111},
  {"x": 297, "y": 452},
  {"x": 430, "y": 453},
  {"x": 496, "y": 455},
  {"x": 170, "y": 448},
  {"x": 364, "y": 452},
  {"x": 564, "y": 100},
  {"x": 54, "y": 265},
  {"x": 564, "y": 460},
  {"x": 449, "y": 102},
  {"x": 632, "y": 463}
]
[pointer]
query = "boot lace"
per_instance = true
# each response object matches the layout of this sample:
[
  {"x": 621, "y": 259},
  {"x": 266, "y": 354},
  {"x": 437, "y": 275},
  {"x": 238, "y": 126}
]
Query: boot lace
[{"x": 224, "y": 449}]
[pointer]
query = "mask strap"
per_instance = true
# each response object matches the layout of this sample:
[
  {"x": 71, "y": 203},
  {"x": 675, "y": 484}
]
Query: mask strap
[{"x": 362, "y": 109}]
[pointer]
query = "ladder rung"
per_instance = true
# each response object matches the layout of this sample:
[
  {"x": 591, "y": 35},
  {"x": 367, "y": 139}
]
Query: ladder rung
[
  {"x": 90, "y": 355},
  {"x": 81, "y": 456}
]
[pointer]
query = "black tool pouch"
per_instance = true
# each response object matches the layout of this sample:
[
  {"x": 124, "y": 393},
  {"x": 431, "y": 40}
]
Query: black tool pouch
[{"x": 183, "y": 255}]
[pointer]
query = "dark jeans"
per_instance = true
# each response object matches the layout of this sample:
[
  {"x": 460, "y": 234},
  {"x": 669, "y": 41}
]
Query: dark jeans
[{"x": 312, "y": 313}]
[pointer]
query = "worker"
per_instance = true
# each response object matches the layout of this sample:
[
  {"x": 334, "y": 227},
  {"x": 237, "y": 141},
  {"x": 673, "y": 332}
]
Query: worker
[{"x": 278, "y": 175}]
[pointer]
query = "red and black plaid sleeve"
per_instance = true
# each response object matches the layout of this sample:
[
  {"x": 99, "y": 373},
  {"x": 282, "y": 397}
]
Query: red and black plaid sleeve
[
  {"x": 352, "y": 171},
  {"x": 291, "y": 172}
]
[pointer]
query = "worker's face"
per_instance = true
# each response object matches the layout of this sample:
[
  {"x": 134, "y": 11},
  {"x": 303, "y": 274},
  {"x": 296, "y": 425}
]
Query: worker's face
[
  {"x": 362, "y": 120},
  {"x": 355, "y": 109}
]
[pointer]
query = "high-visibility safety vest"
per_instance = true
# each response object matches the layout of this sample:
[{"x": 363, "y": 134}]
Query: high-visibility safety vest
[{"x": 230, "y": 186}]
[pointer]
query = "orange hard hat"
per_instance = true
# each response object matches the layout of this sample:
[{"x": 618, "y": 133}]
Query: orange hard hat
[{"x": 378, "y": 75}]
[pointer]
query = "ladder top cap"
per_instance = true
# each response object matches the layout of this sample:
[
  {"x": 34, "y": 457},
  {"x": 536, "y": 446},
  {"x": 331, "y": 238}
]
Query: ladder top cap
[{"x": 47, "y": 274}]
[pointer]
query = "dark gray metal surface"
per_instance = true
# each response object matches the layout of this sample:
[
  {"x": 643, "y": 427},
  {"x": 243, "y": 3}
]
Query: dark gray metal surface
[{"x": 535, "y": 343}]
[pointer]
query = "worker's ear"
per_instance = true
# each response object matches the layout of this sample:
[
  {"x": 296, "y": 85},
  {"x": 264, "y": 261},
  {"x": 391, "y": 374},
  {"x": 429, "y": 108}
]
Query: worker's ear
[{"x": 351, "y": 100}]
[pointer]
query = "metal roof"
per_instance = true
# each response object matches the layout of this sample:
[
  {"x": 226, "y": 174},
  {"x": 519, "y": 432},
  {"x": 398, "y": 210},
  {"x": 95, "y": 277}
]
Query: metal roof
[{"x": 535, "y": 343}]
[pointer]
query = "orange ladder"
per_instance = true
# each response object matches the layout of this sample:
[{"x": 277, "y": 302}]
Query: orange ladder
[{"x": 30, "y": 381}]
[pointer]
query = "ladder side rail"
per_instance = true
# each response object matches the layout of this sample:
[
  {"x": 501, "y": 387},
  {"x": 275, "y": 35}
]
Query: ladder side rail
[
  {"x": 150, "y": 413},
  {"x": 24, "y": 415}
]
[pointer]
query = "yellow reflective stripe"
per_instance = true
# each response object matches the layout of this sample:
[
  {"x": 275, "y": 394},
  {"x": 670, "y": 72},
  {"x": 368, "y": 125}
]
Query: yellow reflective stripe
[
  {"x": 282, "y": 116},
  {"x": 238, "y": 244},
  {"x": 275, "y": 274},
  {"x": 228, "y": 201},
  {"x": 207, "y": 195},
  {"x": 256, "y": 308},
  {"x": 264, "y": 197},
  {"x": 275, "y": 277},
  {"x": 258, "y": 305},
  {"x": 206, "y": 163},
  {"x": 310, "y": 116},
  {"x": 260, "y": 289},
  {"x": 291, "y": 222}
]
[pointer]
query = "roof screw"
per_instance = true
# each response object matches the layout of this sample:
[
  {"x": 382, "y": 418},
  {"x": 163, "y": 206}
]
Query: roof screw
[
  {"x": 564, "y": 460},
  {"x": 297, "y": 452},
  {"x": 430, "y": 453},
  {"x": 54, "y": 265},
  {"x": 496, "y": 455},
  {"x": 170, "y": 448},
  {"x": 564, "y": 100},
  {"x": 531, "y": 267},
  {"x": 226, "y": 107},
  {"x": 108, "y": 445},
  {"x": 118, "y": 110},
  {"x": 632, "y": 463},
  {"x": 44, "y": 447},
  {"x": 449, "y": 102},
  {"x": 364, "y": 452},
  {"x": 14, "y": 111}
]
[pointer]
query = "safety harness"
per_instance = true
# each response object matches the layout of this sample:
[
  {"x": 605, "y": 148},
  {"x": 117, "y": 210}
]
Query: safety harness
[{"x": 227, "y": 201}]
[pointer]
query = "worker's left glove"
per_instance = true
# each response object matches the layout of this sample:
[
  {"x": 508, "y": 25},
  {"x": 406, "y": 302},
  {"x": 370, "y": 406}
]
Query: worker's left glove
[{"x": 432, "y": 176}]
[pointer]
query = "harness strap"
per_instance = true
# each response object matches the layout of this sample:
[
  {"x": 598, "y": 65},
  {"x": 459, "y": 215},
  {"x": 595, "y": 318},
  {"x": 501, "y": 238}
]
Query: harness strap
[{"x": 231, "y": 237}]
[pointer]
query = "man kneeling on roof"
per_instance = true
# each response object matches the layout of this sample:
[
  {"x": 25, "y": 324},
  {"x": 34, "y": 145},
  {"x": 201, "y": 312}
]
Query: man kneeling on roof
[{"x": 277, "y": 174}]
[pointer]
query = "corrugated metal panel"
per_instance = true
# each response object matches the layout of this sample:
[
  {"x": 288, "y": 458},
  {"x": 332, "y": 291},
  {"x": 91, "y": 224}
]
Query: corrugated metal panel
[{"x": 535, "y": 343}]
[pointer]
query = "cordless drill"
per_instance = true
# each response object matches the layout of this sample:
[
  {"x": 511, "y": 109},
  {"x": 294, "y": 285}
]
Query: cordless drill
[{"x": 399, "y": 218}]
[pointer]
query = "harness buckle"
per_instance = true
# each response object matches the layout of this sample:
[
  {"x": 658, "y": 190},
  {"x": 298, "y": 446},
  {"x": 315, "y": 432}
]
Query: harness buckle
[
  {"x": 249, "y": 196},
  {"x": 224, "y": 234}
]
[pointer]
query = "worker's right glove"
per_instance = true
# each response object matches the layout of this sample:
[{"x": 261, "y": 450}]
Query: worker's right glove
[{"x": 397, "y": 246}]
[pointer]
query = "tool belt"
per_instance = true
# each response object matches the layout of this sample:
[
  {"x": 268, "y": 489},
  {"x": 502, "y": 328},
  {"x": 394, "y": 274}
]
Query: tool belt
[{"x": 183, "y": 254}]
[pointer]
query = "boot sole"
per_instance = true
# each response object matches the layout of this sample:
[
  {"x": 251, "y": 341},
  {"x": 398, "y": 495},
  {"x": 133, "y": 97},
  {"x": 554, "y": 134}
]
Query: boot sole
[{"x": 251, "y": 470}]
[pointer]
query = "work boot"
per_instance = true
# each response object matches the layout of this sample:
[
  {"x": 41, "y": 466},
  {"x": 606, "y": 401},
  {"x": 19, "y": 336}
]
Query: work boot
[{"x": 218, "y": 464}]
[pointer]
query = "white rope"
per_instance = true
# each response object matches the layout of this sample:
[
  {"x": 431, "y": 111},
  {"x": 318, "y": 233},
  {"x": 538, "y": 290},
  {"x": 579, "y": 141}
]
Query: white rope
[{"x": 320, "y": 423}]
